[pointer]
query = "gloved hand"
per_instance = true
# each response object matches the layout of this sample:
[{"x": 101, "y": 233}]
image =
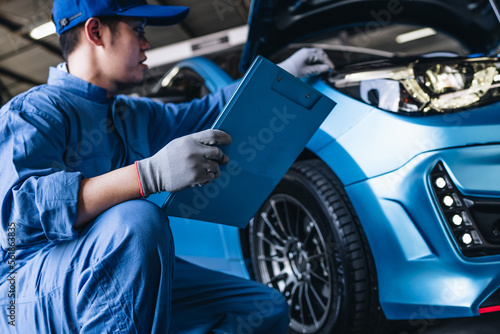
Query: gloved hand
[
  {"x": 306, "y": 62},
  {"x": 184, "y": 162}
]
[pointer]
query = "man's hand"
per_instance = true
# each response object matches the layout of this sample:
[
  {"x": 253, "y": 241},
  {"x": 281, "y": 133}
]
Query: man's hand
[
  {"x": 306, "y": 62},
  {"x": 184, "y": 162}
]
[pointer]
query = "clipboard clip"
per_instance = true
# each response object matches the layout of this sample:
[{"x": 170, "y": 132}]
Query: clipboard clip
[{"x": 286, "y": 86}]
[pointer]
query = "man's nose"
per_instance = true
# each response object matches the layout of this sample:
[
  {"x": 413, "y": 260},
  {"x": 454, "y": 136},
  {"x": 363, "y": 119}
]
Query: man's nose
[{"x": 145, "y": 44}]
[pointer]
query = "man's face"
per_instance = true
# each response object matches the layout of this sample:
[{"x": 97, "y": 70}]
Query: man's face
[{"x": 125, "y": 56}]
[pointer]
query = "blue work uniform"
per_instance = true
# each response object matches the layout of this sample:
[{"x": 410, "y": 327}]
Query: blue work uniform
[{"x": 119, "y": 274}]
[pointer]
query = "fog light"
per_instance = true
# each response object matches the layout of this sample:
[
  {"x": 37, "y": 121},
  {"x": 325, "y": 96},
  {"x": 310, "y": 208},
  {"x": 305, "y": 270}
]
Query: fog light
[
  {"x": 457, "y": 220},
  {"x": 440, "y": 182},
  {"x": 466, "y": 238},
  {"x": 474, "y": 222},
  {"x": 448, "y": 200}
]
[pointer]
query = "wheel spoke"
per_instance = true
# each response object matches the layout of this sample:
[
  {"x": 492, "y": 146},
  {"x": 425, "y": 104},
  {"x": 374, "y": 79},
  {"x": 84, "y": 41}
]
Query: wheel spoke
[
  {"x": 271, "y": 227},
  {"x": 261, "y": 236},
  {"x": 309, "y": 233},
  {"x": 278, "y": 218},
  {"x": 316, "y": 256},
  {"x": 271, "y": 259},
  {"x": 297, "y": 221},
  {"x": 292, "y": 287},
  {"x": 309, "y": 305},
  {"x": 292, "y": 283},
  {"x": 319, "y": 277},
  {"x": 318, "y": 298},
  {"x": 300, "y": 295},
  {"x": 276, "y": 278}
]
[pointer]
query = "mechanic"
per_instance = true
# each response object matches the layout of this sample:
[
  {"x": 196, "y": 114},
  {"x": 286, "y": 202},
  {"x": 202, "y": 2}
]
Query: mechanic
[{"x": 82, "y": 251}]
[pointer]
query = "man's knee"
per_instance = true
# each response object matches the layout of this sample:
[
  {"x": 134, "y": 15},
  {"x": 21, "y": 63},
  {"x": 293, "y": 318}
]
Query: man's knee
[
  {"x": 275, "y": 307},
  {"x": 137, "y": 222},
  {"x": 136, "y": 216},
  {"x": 270, "y": 314}
]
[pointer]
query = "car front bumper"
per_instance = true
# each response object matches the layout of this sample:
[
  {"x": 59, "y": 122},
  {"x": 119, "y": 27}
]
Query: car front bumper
[{"x": 422, "y": 273}]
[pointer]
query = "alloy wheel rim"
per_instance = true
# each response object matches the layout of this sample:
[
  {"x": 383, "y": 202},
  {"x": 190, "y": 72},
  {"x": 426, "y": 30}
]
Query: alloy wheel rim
[{"x": 293, "y": 257}]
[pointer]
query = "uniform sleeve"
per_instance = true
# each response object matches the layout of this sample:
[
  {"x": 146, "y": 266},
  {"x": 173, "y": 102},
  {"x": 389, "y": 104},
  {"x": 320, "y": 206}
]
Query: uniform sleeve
[
  {"x": 37, "y": 194},
  {"x": 170, "y": 121}
]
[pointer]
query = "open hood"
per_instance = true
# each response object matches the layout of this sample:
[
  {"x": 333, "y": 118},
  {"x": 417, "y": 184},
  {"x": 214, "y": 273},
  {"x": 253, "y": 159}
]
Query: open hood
[{"x": 276, "y": 23}]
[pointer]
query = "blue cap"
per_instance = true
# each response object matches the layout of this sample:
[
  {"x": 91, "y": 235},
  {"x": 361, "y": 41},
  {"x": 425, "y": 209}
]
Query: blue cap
[{"x": 69, "y": 13}]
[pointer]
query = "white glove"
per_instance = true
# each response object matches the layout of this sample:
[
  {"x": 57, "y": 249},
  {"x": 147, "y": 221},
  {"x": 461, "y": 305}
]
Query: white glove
[
  {"x": 184, "y": 162},
  {"x": 306, "y": 62}
]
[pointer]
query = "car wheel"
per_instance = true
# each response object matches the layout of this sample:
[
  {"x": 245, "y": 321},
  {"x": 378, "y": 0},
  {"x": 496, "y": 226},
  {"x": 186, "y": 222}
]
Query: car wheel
[{"x": 306, "y": 241}]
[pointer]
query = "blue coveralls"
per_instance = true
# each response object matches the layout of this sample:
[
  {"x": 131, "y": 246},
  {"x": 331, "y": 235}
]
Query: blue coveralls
[{"x": 119, "y": 274}]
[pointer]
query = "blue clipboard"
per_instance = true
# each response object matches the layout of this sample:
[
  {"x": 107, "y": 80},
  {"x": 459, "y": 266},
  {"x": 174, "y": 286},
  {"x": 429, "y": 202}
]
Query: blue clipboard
[{"x": 271, "y": 117}]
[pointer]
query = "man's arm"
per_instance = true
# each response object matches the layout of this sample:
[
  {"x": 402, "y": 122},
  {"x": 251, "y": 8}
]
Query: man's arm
[
  {"x": 100, "y": 193},
  {"x": 184, "y": 162}
]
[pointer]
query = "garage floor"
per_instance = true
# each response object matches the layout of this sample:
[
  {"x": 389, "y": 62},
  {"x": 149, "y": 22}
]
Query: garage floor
[{"x": 484, "y": 324}]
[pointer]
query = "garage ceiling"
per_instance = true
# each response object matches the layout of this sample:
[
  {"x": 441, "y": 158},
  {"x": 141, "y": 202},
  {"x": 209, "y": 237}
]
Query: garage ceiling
[{"x": 24, "y": 62}]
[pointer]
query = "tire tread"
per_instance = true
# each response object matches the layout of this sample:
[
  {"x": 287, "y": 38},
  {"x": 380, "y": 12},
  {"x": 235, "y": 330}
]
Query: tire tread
[{"x": 365, "y": 313}]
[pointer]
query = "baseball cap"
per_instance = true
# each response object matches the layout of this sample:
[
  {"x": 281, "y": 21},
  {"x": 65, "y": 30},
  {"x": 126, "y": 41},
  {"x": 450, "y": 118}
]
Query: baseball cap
[{"x": 69, "y": 13}]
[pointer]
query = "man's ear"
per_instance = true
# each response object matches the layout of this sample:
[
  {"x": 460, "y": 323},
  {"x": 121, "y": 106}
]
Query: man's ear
[{"x": 93, "y": 31}]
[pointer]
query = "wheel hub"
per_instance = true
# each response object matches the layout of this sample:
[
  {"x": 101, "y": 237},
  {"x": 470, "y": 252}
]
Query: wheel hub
[{"x": 298, "y": 258}]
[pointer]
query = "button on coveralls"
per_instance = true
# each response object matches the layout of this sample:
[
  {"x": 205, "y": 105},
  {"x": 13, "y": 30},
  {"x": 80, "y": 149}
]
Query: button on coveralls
[{"x": 119, "y": 274}]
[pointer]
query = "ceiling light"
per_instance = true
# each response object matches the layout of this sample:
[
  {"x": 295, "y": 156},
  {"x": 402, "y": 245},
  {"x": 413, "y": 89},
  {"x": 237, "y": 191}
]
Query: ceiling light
[
  {"x": 43, "y": 30},
  {"x": 414, "y": 35},
  {"x": 197, "y": 46}
]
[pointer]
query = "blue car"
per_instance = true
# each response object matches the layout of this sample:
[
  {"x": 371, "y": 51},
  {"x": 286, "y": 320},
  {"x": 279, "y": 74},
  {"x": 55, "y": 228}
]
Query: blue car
[{"x": 392, "y": 211}]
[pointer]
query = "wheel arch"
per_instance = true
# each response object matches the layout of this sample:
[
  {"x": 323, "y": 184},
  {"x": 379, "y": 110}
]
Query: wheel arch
[
  {"x": 324, "y": 155},
  {"x": 335, "y": 157}
]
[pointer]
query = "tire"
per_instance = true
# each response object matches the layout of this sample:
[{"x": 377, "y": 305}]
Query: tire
[{"x": 307, "y": 242}]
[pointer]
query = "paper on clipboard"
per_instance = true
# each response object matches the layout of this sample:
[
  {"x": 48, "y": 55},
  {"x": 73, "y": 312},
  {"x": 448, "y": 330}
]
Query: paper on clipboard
[{"x": 271, "y": 117}]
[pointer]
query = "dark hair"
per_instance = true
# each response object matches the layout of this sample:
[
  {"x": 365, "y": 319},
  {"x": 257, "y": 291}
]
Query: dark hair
[{"x": 69, "y": 39}]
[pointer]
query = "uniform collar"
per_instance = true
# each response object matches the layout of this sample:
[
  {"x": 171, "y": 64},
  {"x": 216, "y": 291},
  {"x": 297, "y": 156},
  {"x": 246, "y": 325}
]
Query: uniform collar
[{"x": 60, "y": 77}]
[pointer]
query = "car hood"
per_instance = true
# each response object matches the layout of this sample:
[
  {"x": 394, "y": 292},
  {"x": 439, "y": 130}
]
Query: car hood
[{"x": 275, "y": 23}]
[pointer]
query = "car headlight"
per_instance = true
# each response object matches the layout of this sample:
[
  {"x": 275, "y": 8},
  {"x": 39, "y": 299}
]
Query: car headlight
[{"x": 423, "y": 86}]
